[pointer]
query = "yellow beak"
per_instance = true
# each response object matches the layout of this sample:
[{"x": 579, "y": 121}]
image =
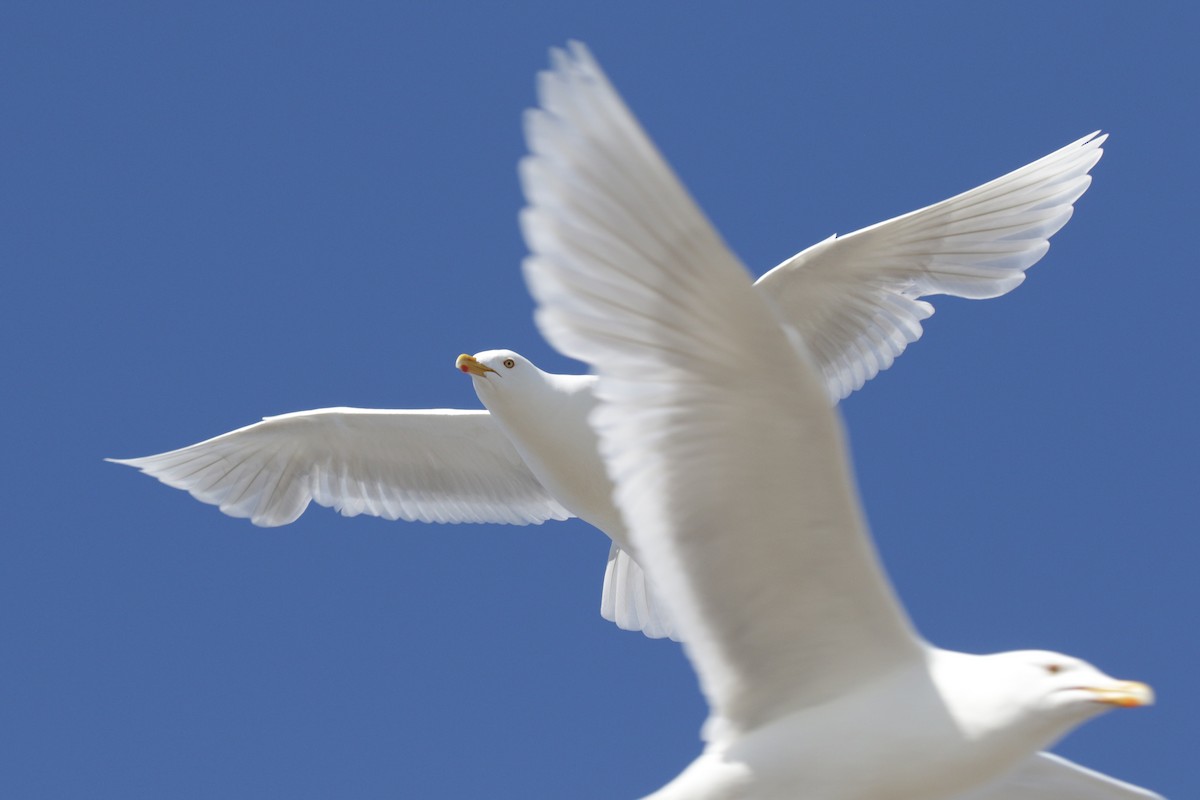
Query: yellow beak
[
  {"x": 471, "y": 366},
  {"x": 1127, "y": 694}
]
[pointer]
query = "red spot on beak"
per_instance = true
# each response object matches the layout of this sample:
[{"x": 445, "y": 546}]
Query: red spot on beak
[{"x": 464, "y": 368}]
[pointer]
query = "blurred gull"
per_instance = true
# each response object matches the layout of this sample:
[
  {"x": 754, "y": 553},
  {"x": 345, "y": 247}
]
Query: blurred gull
[
  {"x": 854, "y": 300},
  {"x": 732, "y": 476}
]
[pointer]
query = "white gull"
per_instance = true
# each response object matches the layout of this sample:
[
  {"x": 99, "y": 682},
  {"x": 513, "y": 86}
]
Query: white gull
[
  {"x": 733, "y": 478},
  {"x": 530, "y": 457}
]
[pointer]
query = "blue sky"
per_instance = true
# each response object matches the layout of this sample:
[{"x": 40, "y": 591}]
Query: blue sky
[{"x": 217, "y": 213}]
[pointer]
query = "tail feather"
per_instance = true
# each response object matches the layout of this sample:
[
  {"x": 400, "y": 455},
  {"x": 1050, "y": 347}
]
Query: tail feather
[{"x": 629, "y": 600}]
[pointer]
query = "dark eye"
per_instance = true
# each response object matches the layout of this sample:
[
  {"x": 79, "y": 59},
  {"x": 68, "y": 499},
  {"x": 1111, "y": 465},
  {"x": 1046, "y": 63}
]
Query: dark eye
[
  {"x": 1054, "y": 669},
  {"x": 509, "y": 363}
]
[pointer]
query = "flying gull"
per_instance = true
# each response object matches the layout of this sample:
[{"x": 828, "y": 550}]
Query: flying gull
[
  {"x": 854, "y": 300},
  {"x": 733, "y": 478}
]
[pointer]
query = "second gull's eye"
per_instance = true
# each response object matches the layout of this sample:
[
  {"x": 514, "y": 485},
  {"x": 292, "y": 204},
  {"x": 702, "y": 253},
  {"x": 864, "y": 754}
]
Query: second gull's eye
[{"x": 508, "y": 362}]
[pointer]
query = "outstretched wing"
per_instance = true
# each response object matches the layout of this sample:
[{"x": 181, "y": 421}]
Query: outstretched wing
[
  {"x": 436, "y": 465},
  {"x": 854, "y": 298},
  {"x": 730, "y": 466},
  {"x": 1050, "y": 777}
]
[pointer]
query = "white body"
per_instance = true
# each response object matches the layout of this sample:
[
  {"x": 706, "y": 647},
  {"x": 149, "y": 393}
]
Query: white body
[{"x": 553, "y": 436}]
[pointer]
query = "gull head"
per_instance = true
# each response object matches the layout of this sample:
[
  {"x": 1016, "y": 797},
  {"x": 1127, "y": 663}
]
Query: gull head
[
  {"x": 500, "y": 373},
  {"x": 496, "y": 364},
  {"x": 1043, "y": 693},
  {"x": 1061, "y": 683}
]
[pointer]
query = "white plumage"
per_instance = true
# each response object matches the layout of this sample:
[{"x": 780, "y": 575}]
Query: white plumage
[
  {"x": 733, "y": 479},
  {"x": 854, "y": 300},
  {"x": 438, "y": 465}
]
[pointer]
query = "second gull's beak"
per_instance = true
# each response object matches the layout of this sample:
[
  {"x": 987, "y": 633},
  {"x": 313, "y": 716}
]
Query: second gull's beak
[{"x": 471, "y": 366}]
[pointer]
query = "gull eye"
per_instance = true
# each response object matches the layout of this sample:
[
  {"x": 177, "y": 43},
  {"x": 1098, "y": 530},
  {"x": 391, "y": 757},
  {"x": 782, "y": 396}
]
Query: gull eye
[
  {"x": 1054, "y": 669},
  {"x": 509, "y": 363}
]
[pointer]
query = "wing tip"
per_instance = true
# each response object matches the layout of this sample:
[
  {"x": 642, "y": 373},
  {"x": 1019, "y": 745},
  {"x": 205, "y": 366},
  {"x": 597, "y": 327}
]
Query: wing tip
[{"x": 136, "y": 463}]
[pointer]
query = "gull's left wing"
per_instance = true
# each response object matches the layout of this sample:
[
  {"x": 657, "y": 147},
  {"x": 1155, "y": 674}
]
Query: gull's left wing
[
  {"x": 855, "y": 298},
  {"x": 731, "y": 468}
]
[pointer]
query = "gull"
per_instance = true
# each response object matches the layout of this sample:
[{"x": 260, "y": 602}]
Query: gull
[
  {"x": 855, "y": 301},
  {"x": 732, "y": 476}
]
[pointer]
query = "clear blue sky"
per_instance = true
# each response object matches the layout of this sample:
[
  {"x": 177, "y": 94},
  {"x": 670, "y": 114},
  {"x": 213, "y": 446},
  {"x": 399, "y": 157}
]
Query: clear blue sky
[{"x": 217, "y": 213}]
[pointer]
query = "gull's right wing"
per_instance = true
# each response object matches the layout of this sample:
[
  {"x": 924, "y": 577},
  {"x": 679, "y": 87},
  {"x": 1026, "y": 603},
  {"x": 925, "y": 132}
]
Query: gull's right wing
[{"x": 435, "y": 465}]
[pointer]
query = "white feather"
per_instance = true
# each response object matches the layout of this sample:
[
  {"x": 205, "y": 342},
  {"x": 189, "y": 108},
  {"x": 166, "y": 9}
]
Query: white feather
[
  {"x": 437, "y": 465},
  {"x": 1049, "y": 777},
  {"x": 854, "y": 298},
  {"x": 735, "y": 488},
  {"x": 681, "y": 341}
]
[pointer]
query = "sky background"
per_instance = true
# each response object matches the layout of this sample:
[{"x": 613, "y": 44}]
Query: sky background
[{"x": 216, "y": 213}]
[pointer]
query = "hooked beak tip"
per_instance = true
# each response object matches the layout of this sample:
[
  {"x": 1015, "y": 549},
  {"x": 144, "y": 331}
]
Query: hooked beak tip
[
  {"x": 471, "y": 365},
  {"x": 1126, "y": 694}
]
